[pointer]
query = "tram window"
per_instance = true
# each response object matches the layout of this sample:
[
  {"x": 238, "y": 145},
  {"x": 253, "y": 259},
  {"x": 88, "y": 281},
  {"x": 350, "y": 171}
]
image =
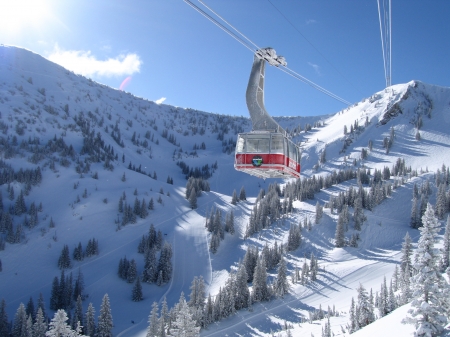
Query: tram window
[
  {"x": 292, "y": 151},
  {"x": 240, "y": 144},
  {"x": 264, "y": 145},
  {"x": 258, "y": 145},
  {"x": 277, "y": 144}
]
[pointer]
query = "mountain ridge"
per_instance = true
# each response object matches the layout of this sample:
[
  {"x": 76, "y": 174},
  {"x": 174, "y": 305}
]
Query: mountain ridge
[{"x": 67, "y": 125}]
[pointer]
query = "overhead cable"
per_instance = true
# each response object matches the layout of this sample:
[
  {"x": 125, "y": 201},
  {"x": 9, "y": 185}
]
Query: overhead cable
[
  {"x": 312, "y": 45},
  {"x": 242, "y": 39}
]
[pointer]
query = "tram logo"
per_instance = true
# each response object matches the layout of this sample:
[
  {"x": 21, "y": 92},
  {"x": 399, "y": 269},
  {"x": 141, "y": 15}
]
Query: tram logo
[{"x": 257, "y": 161}]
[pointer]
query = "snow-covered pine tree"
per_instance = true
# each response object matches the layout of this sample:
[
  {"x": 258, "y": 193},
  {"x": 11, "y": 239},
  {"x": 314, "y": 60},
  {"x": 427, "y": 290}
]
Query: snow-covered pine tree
[
  {"x": 383, "y": 301},
  {"x": 319, "y": 212},
  {"x": 184, "y": 325},
  {"x": 59, "y": 328},
  {"x": 234, "y": 198},
  {"x": 406, "y": 255},
  {"x": 64, "y": 259},
  {"x": 136, "y": 294},
  {"x": 260, "y": 288},
  {"x": 105, "y": 320},
  {"x": 392, "y": 300},
  {"x": 144, "y": 210},
  {"x": 153, "y": 322},
  {"x": 19, "y": 205},
  {"x": 165, "y": 262},
  {"x": 405, "y": 287},
  {"x": 313, "y": 268},
  {"x": 78, "y": 313},
  {"x": 358, "y": 214},
  {"x": 79, "y": 286},
  {"x": 281, "y": 282},
  {"x": 365, "y": 309},
  {"x": 414, "y": 216},
  {"x": 4, "y": 323},
  {"x": 132, "y": 271},
  {"x": 19, "y": 325},
  {"x": 242, "y": 291},
  {"x": 90, "y": 327},
  {"x": 294, "y": 237},
  {"x": 446, "y": 248},
  {"x": 193, "y": 199},
  {"x": 29, "y": 310},
  {"x": 430, "y": 305},
  {"x": 55, "y": 294},
  {"x": 150, "y": 273},
  {"x": 242, "y": 194},
  {"x": 339, "y": 237},
  {"x": 39, "y": 326}
]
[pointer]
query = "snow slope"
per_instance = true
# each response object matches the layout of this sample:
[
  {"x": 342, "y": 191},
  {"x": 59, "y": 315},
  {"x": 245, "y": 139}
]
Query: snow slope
[{"x": 28, "y": 113}]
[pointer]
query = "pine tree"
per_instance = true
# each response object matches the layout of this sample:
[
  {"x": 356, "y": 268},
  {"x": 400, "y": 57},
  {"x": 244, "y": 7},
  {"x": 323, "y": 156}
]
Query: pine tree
[
  {"x": 358, "y": 215},
  {"x": 150, "y": 273},
  {"x": 430, "y": 305},
  {"x": 414, "y": 216},
  {"x": 59, "y": 328},
  {"x": 153, "y": 329},
  {"x": 64, "y": 259},
  {"x": 242, "y": 194},
  {"x": 352, "y": 323},
  {"x": 446, "y": 249},
  {"x": 260, "y": 288},
  {"x": 30, "y": 310},
  {"x": 4, "y": 324},
  {"x": 319, "y": 212},
  {"x": 242, "y": 291},
  {"x": 78, "y": 313},
  {"x": 137, "y": 291},
  {"x": 90, "y": 328},
  {"x": 55, "y": 294},
  {"x": 406, "y": 255},
  {"x": 234, "y": 198},
  {"x": 184, "y": 325},
  {"x": 193, "y": 199},
  {"x": 40, "y": 325},
  {"x": 365, "y": 312},
  {"x": 20, "y": 319},
  {"x": 383, "y": 302},
  {"x": 281, "y": 282},
  {"x": 79, "y": 286},
  {"x": 339, "y": 236},
  {"x": 132, "y": 272},
  {"x": 313, "y": 267},
  {"x": 19, "y": 205},
  {"x": 105, "y": 320},
  {"x": 405, "y": 287},
  {"x": 165, "y": 263}
]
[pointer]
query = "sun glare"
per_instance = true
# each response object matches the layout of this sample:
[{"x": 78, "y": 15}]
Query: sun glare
[{"x": 18, "y": 15}]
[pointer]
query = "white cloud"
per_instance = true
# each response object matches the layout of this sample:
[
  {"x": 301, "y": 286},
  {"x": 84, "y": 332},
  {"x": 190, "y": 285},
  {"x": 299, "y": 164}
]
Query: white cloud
[
  {"x": 159, "y": 101},
  {"x": 315, "y": 67},
  {"x": 84, "y": 63},
  {"x": 310, "y": 21}
]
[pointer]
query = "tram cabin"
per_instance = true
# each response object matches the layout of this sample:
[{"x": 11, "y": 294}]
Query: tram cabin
[{"x": 267, "y": 154}]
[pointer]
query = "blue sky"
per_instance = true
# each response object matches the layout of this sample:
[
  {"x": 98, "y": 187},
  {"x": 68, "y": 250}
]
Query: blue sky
[{"x": 171, "y": 53}]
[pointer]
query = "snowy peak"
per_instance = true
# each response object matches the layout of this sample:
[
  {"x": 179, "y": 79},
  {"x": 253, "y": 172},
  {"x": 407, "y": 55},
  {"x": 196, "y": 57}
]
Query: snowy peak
[{"x": 415, "y": 114}]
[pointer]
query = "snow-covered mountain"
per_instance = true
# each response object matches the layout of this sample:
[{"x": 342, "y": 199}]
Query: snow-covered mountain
[{"x": 94, "y": 144}]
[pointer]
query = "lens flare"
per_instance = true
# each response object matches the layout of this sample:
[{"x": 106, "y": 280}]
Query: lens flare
[{"x": 125, "y": 83}]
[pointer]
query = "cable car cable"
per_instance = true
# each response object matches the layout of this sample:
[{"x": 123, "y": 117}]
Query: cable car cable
[
  {"x": 312, "y": 45},
  {"x": 229, "y": 24},
  {"x": 218, "y": 24},
  {"x": 240, "y": 40},
  {"x": 314, "y": 85}
]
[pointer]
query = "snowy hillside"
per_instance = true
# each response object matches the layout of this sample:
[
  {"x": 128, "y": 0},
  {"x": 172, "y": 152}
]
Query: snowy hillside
[{"x": 88, "y": 148}]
